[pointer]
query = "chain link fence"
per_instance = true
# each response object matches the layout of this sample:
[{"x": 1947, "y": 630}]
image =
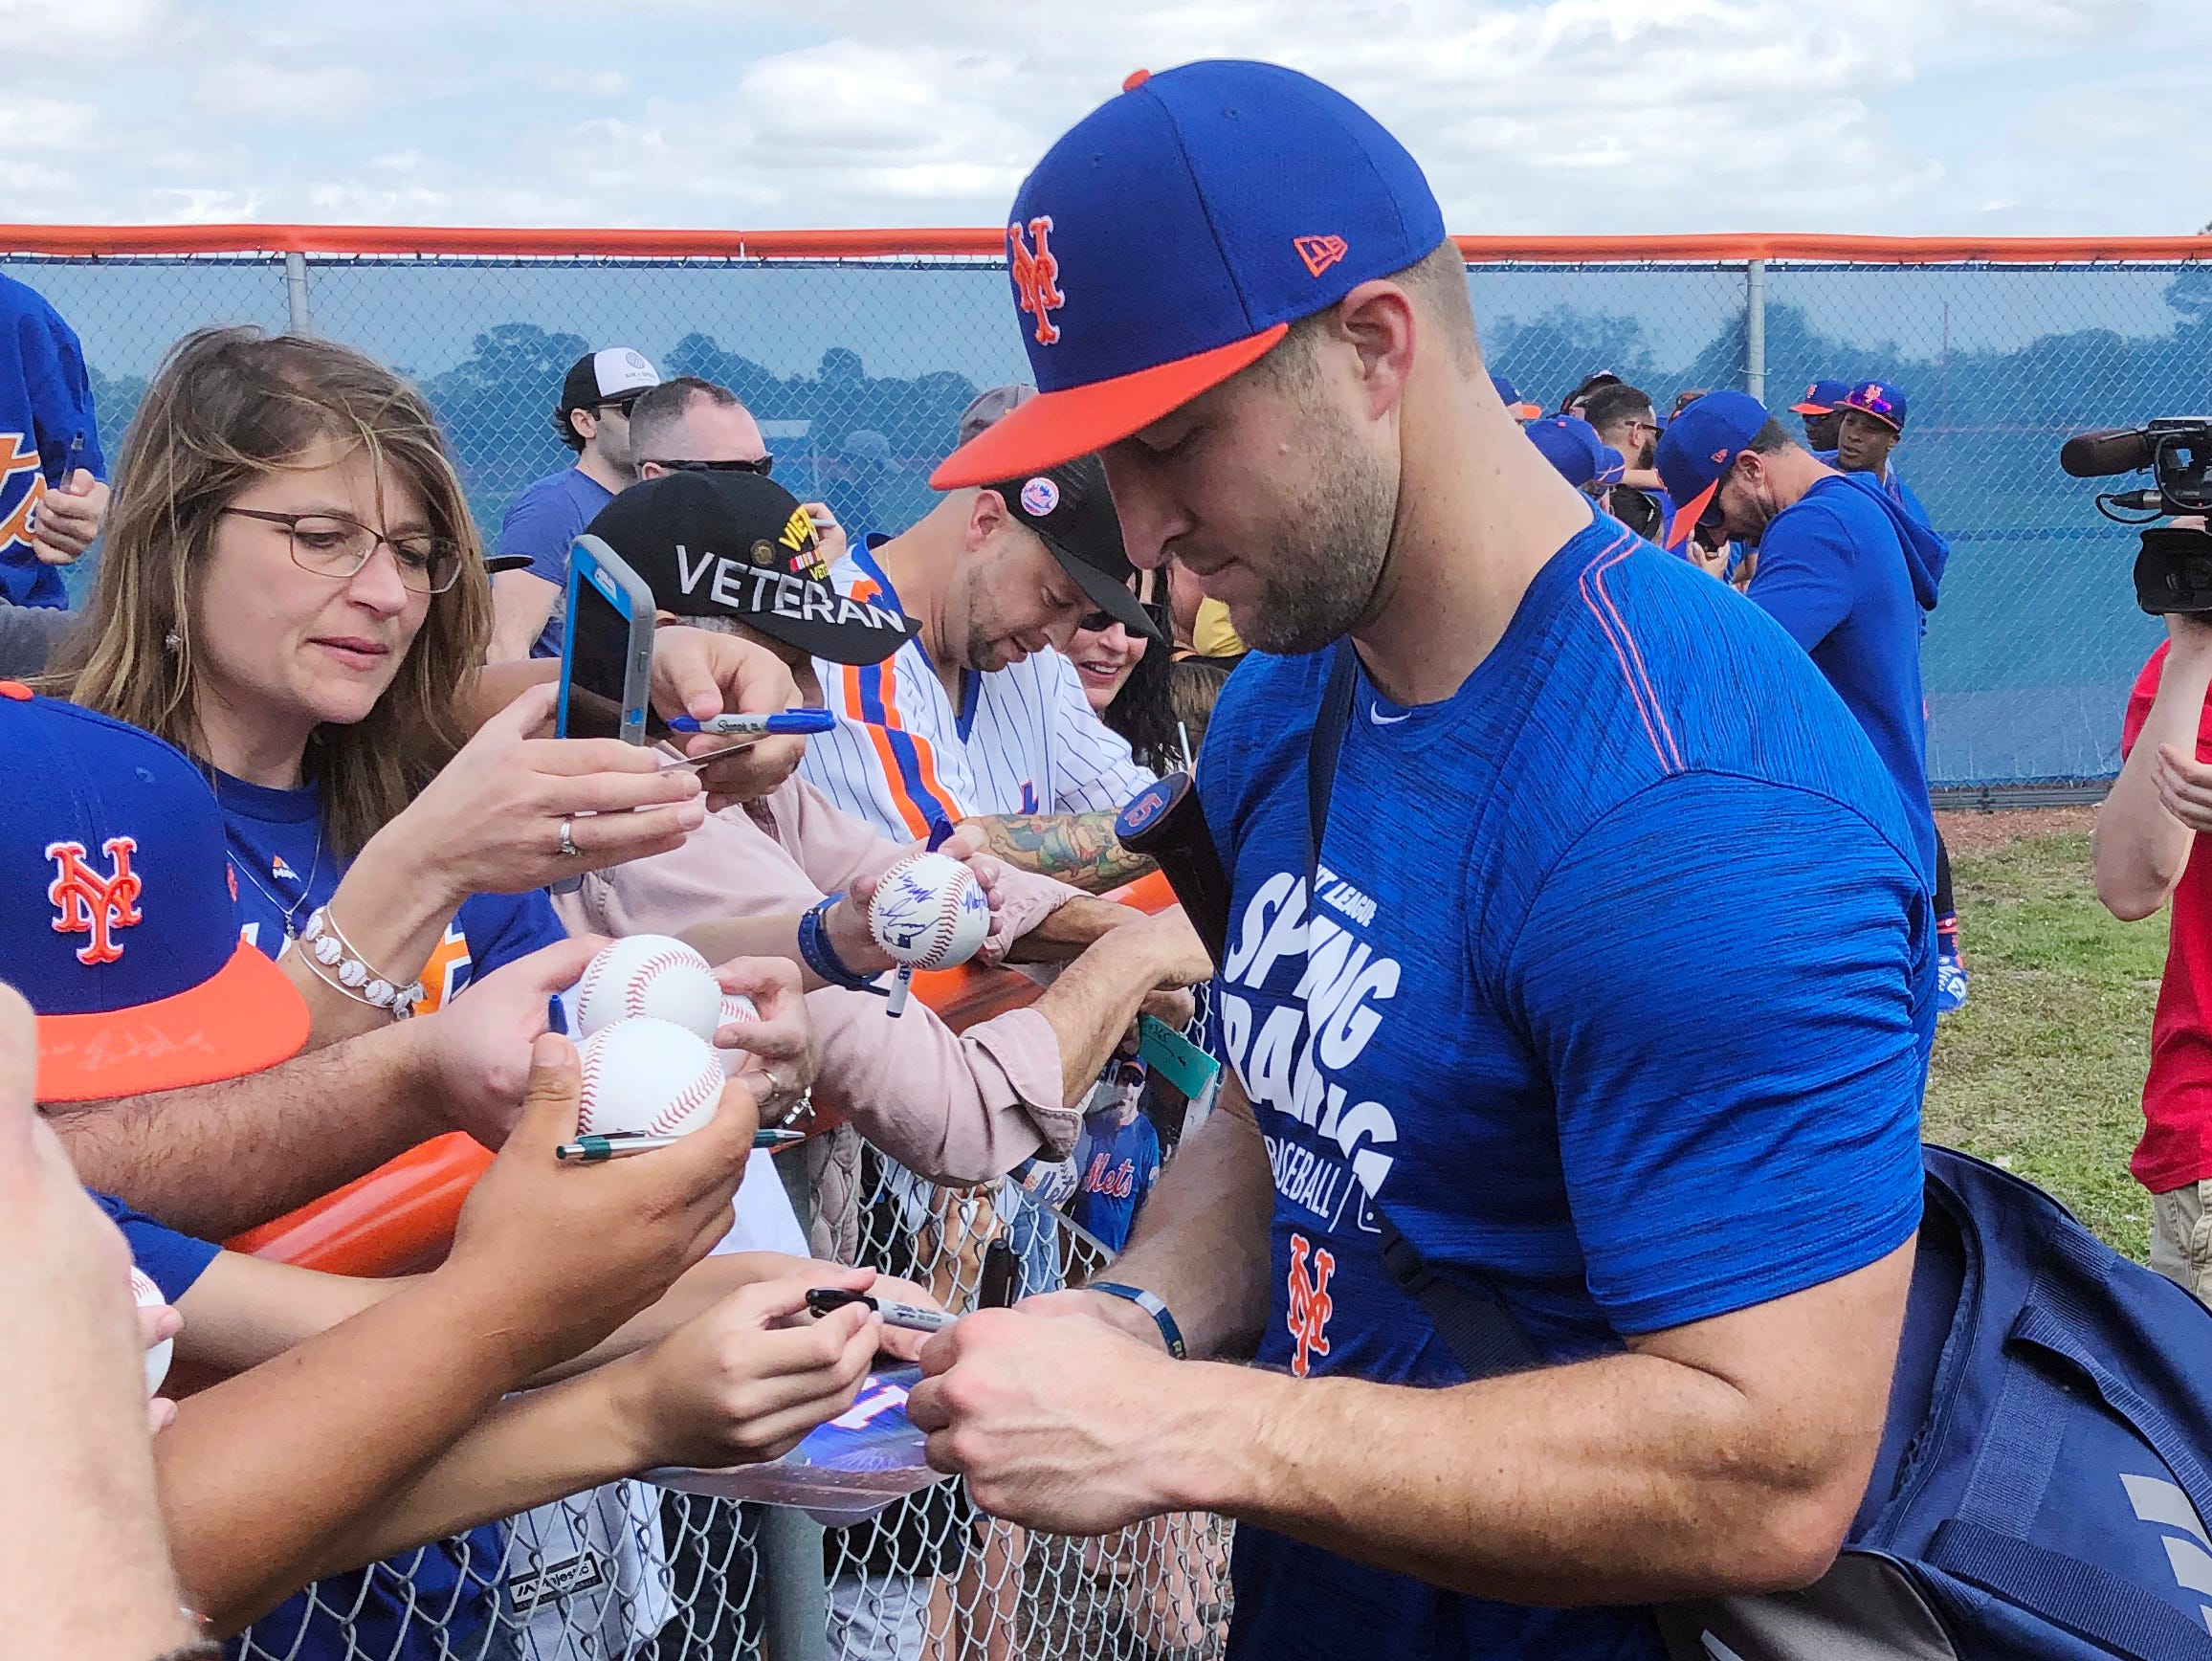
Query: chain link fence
[{"x": 858, "y": 369}]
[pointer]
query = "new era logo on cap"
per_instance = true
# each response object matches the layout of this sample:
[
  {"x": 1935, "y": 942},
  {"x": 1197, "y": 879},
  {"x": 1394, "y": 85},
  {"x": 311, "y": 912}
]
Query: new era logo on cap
[
  {"x": 1319, "y": 252},
  {"x": 1173, "y": 236}
]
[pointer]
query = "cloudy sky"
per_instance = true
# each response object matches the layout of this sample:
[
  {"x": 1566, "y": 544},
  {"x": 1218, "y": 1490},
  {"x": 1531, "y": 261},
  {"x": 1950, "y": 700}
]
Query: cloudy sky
[{"x": 1970, "y": 117}]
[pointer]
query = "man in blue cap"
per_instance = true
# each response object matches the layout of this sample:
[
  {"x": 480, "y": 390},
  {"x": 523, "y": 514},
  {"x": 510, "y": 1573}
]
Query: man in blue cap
[
  {"x": 1516, "y": 406},
  {"x": 1482, "y": 791},
  {"x": 1869, "y": 421},
  {"x": 1822, "y": 410},
  {"x": 1841, "y": 567},
  {"x": 1573, "y": 449}
]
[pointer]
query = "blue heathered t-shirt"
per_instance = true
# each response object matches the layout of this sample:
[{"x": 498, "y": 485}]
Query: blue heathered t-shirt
[
  {"x": 1849, "y": 574},
  {"x": 395, "y": 1608},
  {"x": 45, "y": 411},
  {"x": 1534, "y": 1042},
  {"x": 540, "y": 524},
  {"x": 1116, "y": 1165}
]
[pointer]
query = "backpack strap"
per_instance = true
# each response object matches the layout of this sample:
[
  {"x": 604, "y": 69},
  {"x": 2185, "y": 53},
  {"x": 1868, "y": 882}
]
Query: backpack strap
[{"x": 1471, "y": 1320}]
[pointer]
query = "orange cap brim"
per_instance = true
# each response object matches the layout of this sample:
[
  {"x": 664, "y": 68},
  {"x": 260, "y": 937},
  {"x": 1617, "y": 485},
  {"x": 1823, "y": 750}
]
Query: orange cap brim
[
  {"x": 1056, "y": 427},
  {"x": 1524, "y": 411},
  {"x": 1812, "y": 409},
  {"x": 1686, "y": 515},
  {"x": 245, "y": 1017}
]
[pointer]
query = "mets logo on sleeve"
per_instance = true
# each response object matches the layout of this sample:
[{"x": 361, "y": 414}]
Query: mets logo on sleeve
[
  {"x": 18, "y": 471},
  {"x": 1310, "y": 1306}
]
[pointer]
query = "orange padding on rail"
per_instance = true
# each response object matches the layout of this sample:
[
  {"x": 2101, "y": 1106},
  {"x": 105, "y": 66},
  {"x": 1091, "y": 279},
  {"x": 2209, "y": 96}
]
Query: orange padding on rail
[
  {"x": 399, "y": 1218},
  {"x": 990, "y": 243}
]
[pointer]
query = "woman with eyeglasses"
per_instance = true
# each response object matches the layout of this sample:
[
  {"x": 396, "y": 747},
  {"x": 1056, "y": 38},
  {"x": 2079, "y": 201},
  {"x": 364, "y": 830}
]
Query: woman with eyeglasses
[{"x": 293, "y": 593}]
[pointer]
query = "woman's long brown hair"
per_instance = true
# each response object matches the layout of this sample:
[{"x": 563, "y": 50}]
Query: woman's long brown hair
[{"x": 227, "y": 408}]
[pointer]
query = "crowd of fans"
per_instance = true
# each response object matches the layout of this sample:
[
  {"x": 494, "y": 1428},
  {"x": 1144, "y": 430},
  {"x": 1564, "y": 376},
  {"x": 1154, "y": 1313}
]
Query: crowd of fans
[{"x": 298, "y": 875}]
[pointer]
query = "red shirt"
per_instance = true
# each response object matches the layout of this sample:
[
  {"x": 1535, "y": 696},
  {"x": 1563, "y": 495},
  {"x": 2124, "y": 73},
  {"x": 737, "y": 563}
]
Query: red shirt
[{"x": 2176, "y": 1146}]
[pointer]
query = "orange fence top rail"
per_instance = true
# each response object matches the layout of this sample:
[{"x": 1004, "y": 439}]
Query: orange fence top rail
[{"x": 985, "y": 242}]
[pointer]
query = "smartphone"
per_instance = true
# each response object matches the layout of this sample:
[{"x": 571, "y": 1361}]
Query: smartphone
[{"x": 606, "y": 648}]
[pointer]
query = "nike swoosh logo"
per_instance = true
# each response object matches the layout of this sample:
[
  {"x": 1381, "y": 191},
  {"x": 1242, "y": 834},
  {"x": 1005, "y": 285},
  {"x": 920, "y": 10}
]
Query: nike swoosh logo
[{"x": 1376, "y": 715}]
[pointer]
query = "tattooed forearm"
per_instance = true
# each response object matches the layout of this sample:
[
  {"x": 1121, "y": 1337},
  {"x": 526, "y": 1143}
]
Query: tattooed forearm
[{"x": 1076, "y": 848}]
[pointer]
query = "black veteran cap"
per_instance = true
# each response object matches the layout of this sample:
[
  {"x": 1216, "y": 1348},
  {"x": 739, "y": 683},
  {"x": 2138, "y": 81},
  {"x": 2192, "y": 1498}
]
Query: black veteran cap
[{"x": 739, "y": 545}]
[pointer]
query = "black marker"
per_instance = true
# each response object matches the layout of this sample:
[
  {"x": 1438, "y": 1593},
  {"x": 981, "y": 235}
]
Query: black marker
[{"x": 822, "y": 1300}]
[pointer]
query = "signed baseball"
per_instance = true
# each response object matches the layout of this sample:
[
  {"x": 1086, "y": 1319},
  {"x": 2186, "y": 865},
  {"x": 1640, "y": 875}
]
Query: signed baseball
[
  {"x": 649, "y": 975},
  {"x": 648, "y": 1074},
  {"x": 929, "y": 912},
  {"x": 150, "y": 1297}
]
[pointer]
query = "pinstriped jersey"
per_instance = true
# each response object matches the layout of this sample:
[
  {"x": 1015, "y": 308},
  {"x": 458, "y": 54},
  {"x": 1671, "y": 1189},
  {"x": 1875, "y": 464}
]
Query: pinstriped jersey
[{"x": 1022, "y": 738}]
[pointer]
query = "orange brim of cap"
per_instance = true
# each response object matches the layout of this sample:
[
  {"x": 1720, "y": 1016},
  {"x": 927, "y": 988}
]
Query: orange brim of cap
[
  {"x": 1686, "y": 515},
  {"x": 245, "y": 1017},
  {"x": 1056, "y": 427},
  {"x": 1524, "y": 411},
  {"x": 1812, "y": 409}
]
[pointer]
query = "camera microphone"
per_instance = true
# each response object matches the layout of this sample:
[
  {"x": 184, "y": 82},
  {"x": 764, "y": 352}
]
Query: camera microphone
[
  {"x": 2136, "y": 501},
  {"x": 2101, "y": 455}
]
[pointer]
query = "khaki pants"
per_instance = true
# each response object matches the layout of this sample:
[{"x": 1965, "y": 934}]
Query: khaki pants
[{"x": 2182, "y": 1237}]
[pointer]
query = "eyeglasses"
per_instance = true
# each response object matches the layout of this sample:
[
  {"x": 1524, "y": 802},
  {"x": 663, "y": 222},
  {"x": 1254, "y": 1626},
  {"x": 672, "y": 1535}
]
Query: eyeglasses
[
  {"x": 620, "y": 405},
  {"x": 765, "y": 466},
  {"x": 331, "y": 545}
]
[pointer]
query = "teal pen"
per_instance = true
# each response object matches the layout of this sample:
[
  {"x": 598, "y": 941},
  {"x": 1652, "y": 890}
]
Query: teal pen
[{"x": 592, "y": 1150}]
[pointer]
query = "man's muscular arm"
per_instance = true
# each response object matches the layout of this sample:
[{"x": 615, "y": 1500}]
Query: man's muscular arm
[
  {"x": 1201, "y": 1243},
  {"x": 1076, "y": 848},
  {"x": 215, "y": 1159}
]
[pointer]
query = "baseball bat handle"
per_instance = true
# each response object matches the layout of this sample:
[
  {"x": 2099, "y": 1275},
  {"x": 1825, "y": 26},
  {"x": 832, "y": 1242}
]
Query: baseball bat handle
[{"x": 1165, "y": 822}]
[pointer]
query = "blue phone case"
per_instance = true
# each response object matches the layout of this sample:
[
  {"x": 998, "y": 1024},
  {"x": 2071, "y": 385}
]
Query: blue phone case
[{"x": 591, "y": 561}]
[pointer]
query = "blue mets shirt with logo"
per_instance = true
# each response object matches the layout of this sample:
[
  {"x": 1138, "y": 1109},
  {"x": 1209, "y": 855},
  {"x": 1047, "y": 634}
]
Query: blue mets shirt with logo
[
  {"x": 47, "y": 428},
  {"x": 285, "y": 868},
  {"x": 1520, "y": 1020}
]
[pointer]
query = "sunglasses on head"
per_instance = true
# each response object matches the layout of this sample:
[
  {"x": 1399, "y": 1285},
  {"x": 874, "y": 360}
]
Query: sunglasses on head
[{"x": 764, "y": 466}]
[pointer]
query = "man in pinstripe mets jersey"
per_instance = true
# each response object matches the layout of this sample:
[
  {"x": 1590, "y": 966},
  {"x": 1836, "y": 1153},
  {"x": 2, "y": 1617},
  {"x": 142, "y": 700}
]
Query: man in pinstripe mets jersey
[{"x": 978, "y": 716}]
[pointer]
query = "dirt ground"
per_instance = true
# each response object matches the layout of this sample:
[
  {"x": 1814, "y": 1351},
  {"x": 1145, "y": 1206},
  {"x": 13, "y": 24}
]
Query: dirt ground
[{"x": 1975, "y": 832}]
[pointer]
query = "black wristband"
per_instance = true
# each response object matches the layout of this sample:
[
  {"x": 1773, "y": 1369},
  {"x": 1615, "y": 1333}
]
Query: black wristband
[
  {"x": 820, "y": 956},
  {"x": 1170, "y": 1333}
]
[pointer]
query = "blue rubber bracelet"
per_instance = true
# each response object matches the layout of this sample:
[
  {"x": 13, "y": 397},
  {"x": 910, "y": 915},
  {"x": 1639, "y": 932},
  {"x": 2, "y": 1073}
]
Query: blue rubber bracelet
[
  {"x": 1170, "y": 1333},
  {"x": 820, "y": 956}
]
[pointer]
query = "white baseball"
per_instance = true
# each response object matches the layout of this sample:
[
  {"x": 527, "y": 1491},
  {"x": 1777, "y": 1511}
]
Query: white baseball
[
  {"x": 649, "y": 975},
  {"x": 648, "y": 1074},
  {"x": 737, "y": 1010},
  {"x": 150, "y": 1297},
  {"x": 930, "y": 911}
]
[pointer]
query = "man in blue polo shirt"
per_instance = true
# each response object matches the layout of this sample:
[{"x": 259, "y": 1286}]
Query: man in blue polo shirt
[{"x": 1477, "y": 1011}]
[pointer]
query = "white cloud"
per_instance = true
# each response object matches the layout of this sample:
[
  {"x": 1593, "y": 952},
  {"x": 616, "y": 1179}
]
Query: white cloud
[{"x": 1530, "y": 116}]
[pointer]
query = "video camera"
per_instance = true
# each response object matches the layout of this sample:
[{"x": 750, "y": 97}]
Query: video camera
[{"x": 2174, "y": 571}]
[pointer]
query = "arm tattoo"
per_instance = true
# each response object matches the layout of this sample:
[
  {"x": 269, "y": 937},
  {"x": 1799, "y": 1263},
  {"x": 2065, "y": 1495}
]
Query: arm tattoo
[{"x": 1076, "y": 848}]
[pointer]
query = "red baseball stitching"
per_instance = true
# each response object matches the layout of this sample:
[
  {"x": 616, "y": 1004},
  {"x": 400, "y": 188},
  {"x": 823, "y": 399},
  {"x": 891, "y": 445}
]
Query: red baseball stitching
[{"x": 703, "y": 1087}]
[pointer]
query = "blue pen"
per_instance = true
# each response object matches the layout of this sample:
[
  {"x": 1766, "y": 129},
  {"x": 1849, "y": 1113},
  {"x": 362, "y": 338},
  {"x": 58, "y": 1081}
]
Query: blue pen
[{"x": 791, "y": 723}]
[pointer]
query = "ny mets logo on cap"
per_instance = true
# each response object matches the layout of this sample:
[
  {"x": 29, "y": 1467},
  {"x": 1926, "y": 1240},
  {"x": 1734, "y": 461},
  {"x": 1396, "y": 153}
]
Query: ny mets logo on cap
[
  {"x": 1036, "y": 275},
  {"x": 1040, "y": 496},
  {"x": 87, "y": 903},
  {"x": 1319, "y": 252}
]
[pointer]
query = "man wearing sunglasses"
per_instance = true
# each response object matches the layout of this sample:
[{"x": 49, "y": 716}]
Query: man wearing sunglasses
[
  {"x": 689, "y": 425},
  {"x": 1841, "y": 567},
  {"x": 531, "y": 572}
]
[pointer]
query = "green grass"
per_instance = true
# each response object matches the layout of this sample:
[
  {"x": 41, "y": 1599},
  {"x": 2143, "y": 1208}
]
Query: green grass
[{"x": 2043, "y": 1071}]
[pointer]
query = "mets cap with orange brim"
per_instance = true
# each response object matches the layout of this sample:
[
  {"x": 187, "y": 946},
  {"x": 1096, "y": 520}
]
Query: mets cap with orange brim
[
  {"x": 119, "y": 923},
  {"x": 1174, "y": 234}
]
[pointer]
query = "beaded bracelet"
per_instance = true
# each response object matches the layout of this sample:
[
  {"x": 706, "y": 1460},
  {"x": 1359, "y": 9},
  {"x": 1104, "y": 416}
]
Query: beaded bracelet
[{"x": 348, "y": 972}]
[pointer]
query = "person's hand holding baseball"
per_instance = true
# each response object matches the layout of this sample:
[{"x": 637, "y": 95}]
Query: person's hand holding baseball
[
  {"x": 578, "y": 1250},
  {"x": 1062, "y": 1424},
  {"x": 855, "y": 942},
  {"x": 698, "y": 673},
  {"x": 745, "y": 1380},
  {"x": 781, "y": 1050},
  {"x": 68, "y": 518},
  {"x": 479, "y": 1046}
]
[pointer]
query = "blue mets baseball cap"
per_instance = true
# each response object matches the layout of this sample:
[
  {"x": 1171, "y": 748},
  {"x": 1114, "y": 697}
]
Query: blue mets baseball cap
[
  {"x": 1572, "y": 445},
  {"x": 119, "y": 923},
  {"x": 1173, "y": 235},
  {"x": 1879, "y": 399},
  {"x": 1516, "y": 406},
  {"x": 1698, "y": 447},
  {"x": 1821, "y": 398}
]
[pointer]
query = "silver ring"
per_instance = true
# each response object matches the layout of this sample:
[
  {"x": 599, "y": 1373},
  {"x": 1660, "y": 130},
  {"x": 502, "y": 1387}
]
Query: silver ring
[{"x": 568, "y": 849}]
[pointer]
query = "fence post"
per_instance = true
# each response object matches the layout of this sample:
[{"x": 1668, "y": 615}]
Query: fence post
[
  {"x": 1754, "y": 328},
  {"x": 298, "y": 322},
  {"x": 795, "y": 1597}
]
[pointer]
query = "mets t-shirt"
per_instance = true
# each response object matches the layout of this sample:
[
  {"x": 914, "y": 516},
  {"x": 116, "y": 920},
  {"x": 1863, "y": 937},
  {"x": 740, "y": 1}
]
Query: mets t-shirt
[
  {"x": 285, "y": 868},
  {"x": 1518, "y": 1021},
  {"x": 1117, "y": 1164}
]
